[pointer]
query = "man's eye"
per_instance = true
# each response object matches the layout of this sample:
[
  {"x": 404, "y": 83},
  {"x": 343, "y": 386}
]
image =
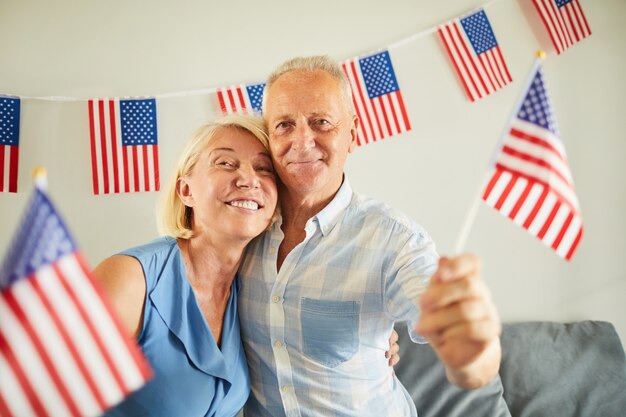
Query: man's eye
[
  {"x": 282, "y": 125},
  {"x": 323, "y": 123}
]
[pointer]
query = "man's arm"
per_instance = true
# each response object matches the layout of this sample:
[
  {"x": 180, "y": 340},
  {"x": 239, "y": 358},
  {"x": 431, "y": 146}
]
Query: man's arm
[{"x": 460, "y": 321}]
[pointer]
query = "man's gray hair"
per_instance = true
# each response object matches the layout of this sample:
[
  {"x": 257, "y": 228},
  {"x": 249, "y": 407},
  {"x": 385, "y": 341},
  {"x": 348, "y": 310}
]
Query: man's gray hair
[{"x": 315, "y": 63}]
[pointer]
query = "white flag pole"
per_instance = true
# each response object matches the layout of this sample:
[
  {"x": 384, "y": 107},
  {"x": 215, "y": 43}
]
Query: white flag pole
[
  {"x": 471, "y": 214},
  {"x": 469, "y": 220},
  {"x": 40, "y": 177}
]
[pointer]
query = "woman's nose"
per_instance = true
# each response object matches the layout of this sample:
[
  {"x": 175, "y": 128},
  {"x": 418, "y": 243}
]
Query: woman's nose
[{"x": 247, "y": 178}]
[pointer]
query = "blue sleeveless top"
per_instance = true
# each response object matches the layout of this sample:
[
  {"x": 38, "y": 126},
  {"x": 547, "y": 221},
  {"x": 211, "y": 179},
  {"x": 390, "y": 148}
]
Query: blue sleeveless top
[{"x": 192, "y": 376}]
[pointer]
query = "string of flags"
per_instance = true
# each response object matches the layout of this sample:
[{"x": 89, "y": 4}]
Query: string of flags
[
  {"x": 564, "y": 20},
  {"x": 475, "y": 54},
  {"x": 124, "y": 139},
  {"x": 124, "y": 145}
]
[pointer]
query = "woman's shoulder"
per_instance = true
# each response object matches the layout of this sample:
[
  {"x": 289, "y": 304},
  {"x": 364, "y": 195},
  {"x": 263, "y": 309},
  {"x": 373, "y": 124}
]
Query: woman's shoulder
[
  {"x": 159, "y": 246},
  {"x": 122, "y": 277}
]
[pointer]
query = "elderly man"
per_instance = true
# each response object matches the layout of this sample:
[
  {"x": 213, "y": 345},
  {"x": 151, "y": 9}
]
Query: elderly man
[{"x": 323, "y": 287}]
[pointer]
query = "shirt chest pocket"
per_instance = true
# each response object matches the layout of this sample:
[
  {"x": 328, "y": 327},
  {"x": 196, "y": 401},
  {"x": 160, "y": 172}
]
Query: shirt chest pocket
[{"x": 330, "y": 330}]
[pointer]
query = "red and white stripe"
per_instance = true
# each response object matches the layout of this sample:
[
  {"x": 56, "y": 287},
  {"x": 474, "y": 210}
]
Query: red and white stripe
[
  {"x": 566, "y": 25},
  {"x": 9, "y": 157},
  {"x": 380, "y": 117},
  {"x": 117, "y": 168},
  {"x": 532, "y": 185},
  {"x": 62, "y": 353},
  {"x": 481, "y": 74},
  {"x": 234, "y": 99}
]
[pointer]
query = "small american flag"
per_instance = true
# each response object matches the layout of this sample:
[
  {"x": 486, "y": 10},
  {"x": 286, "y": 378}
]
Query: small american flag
[
  {"x": 476, "y": 55},
  {"x": 9, "y": 142},
  {"x": 124, "y": 145},
  {"x": 377, "y": 97},
  {"x": 242, "y": 99},
  {"x": 565, "y": 21},
  {"x": 531, "y": 181},
  {"x": 62, "y": 352}
]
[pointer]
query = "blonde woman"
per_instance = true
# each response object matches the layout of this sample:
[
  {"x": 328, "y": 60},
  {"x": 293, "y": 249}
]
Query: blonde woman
[{"x": 178, "y": 294}]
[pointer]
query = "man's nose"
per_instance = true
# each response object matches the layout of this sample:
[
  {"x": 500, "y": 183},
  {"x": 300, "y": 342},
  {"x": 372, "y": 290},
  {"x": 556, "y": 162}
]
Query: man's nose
[
  {"x": 247, "y": 177},
  {"x": 303, "y": 137}
]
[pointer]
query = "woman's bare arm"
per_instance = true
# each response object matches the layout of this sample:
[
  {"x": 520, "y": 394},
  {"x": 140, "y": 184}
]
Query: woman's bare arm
[{"x": 122, "y": 279}]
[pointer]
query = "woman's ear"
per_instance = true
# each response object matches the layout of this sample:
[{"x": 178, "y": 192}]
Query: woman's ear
[{"x": 184, "y": 192}]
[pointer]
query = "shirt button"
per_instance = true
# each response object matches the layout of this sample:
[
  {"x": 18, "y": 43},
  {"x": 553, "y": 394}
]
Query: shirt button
[
  {"x": 278, "y": 344},
  {"x": 286, "y": 388},
  {"x": 275, "y": 298}
]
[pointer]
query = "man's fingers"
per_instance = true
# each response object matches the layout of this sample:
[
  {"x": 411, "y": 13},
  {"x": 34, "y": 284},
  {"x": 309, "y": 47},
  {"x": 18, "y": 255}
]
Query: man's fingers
[
  {"x": 394, "y": 360},
  {"x": 393, "y": 338},
  {"x": 476, "y": 331},
  {"x": 456, "y": 267},
  {"x": 393, "y": 345},
  {"x": 437, "y": 321},
  {"x": 440, "y": 294}
]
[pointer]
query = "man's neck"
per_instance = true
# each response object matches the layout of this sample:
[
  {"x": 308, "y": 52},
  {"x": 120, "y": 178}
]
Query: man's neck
[{"x": 296, "y": 210}]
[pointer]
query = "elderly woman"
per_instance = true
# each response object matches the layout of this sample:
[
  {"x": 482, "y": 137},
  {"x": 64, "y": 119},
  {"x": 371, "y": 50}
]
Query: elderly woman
[{"x": 178, "y": 294}]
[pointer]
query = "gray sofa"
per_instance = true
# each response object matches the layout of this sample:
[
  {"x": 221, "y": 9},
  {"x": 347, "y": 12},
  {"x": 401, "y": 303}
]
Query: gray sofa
[{"x": 548, "y": 370}]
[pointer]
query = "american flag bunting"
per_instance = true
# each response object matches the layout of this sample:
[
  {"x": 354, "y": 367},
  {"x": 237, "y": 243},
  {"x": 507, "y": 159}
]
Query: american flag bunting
[
  {"x": 473, "y": 49},
  {"x": 9, "y": 142},
  {"x": 62, "y": 351},
  {"x": 124, "y": 145},
  {"x": 531, "y": 181},
  {"x": 565, "y": 21},
  {"x": 377, "y": 97},
  {"x": 241, "y": 99}
]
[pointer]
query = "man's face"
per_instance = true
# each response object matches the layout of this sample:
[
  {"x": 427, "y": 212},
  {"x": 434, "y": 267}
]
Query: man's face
[{"x": 311, "y": 132}]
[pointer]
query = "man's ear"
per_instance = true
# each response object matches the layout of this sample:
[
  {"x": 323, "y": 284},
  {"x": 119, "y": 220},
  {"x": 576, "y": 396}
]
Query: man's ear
[
  {"x": 184, "y": 192},
  {"x": 354, "y": 132}
]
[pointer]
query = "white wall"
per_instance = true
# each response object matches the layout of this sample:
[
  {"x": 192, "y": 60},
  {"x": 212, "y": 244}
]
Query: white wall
[{"x": 86, "y": 49}]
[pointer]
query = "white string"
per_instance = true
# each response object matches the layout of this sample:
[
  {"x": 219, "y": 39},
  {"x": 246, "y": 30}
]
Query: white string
[
  {"x": 434, "y": 29},
  {"x": 214, "y": 89}
]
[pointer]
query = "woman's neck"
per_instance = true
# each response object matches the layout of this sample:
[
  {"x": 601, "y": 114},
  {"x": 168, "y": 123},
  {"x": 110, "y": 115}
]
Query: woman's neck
[{"x": 213, "y": 263}]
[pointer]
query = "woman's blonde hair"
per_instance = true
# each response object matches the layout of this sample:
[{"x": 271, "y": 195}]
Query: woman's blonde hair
[{"x": 173, "y": 217}]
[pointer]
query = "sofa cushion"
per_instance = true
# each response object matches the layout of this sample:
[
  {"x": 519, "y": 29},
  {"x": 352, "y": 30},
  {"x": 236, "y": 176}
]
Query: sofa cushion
[
  {"x": 423, "y": 376},
  {"x": 557, "y": 369}
]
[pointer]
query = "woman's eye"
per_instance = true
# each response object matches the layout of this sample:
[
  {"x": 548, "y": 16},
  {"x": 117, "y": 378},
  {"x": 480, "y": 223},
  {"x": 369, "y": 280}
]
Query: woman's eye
[{"x": 227, "y": 164}]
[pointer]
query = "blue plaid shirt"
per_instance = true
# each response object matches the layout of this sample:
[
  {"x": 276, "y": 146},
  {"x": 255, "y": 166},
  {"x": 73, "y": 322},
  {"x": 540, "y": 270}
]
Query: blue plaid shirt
[{"x": 316, "y": 332}]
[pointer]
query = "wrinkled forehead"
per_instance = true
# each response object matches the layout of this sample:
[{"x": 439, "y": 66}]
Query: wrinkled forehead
[{"x": 303, "y": 92}]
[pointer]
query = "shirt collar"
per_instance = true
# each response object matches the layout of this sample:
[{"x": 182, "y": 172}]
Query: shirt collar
[{"x": 328, "y": 217}]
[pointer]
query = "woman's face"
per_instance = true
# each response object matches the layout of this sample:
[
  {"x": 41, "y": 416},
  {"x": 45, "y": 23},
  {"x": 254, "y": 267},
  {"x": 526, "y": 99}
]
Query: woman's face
[{"x": 232, "y": 187}]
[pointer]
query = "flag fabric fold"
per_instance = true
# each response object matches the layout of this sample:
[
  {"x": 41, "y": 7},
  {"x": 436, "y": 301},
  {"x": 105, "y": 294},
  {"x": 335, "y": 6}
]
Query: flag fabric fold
[
  {"x": 564, "y": 20},
  {"x": 470, "y": 43},
  {"x": 9, "y": 142},
  {"x": 241, "y": 99},
  {"x": 124, "y": 145},
  {"x": 62, "y": 350},
  {"x": 531, "y": 181},
  {"x": 377, "y": 97}
]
